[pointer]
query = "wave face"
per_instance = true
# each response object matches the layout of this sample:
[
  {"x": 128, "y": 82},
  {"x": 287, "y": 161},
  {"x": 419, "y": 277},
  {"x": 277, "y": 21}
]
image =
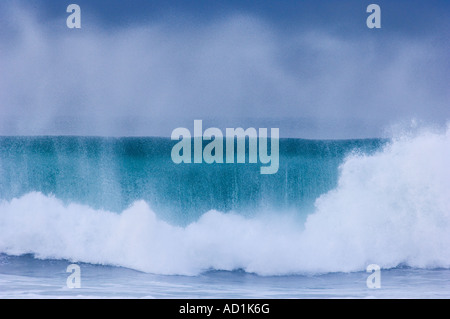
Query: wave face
[
  {"x": 113, "y": 173},
  {"x": 123, "y": 202}
]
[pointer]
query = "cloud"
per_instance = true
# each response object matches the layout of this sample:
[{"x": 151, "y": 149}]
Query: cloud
[{"x": 151, "y": 78}]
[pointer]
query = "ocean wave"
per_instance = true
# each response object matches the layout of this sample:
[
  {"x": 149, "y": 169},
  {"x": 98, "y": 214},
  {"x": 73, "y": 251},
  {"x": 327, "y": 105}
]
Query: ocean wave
[{"x": 390, "y": 208}]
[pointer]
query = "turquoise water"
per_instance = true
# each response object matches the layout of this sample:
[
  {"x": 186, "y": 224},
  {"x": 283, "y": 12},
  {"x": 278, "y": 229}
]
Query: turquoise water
[{"x": 112, "y": 173}]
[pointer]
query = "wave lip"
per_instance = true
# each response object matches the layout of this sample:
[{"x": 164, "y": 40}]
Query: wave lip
[{"x": 390, "y": 208}]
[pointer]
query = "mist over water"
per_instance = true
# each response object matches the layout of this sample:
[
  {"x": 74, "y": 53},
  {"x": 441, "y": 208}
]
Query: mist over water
[
  {"x": 333, "y": 205},
  {"x": 149, "y": 78},
  {"x": 87, "y": 177}
]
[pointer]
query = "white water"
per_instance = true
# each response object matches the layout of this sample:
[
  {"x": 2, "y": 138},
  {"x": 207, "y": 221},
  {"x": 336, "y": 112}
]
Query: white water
[{"x": 389, "y": 208}]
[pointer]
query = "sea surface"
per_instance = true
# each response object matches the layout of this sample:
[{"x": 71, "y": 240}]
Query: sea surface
[{"x": 140, "y": 226}]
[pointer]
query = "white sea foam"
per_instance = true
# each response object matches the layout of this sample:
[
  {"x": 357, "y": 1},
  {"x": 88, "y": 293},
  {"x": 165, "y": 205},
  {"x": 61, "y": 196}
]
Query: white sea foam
[{"x": 389, "y": 208}]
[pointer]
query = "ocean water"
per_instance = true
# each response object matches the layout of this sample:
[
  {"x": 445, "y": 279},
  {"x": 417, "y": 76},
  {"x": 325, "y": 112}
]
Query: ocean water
[{"x": 140, "y": 226}]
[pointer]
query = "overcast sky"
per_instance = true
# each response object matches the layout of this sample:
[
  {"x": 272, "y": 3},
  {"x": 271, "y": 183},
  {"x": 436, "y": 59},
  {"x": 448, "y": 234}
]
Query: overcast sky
[{"x": 142, "y": 68}]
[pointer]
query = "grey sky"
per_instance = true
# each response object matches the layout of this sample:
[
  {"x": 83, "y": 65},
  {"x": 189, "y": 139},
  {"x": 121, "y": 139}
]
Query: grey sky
[{"x": 238, "y": 69}]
